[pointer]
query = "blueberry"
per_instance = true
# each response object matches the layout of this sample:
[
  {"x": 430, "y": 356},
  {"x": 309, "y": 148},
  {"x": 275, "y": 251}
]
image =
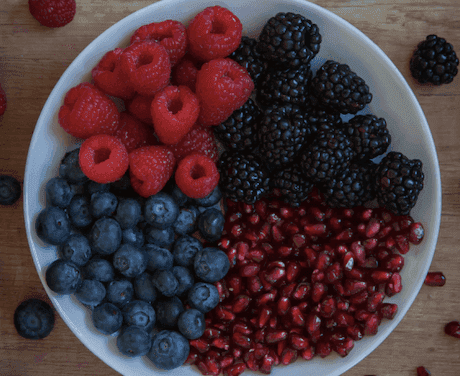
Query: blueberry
[
  {"x": 133, "y": 236},
  {"x": 185, "y": 279},
  {"x": 58, "y": 192},
  {"x": 79, "y": 211},
  {"x": 91, "y": 292},
  {"x": 10, "y": 190},
  {"x": 134, "y": 341},
  {"x": 184, "y": 250},
  {"x": 191, "y": 323},
  {"x": 160, "y": 237},
  {"x": 161, "y": 211},
  {"x": 144, "y": 288},
  {"x": 105, "y": 236},
  {"x": 99, "y": 269},
  {"x": 92, "y": 187},
  {"x": 103, "y": 204},
  {"x": 158, "y": 258},
  {"x": 211, "y": 224},
  {"x": 165, "y": 282},
  {"x": 34, "y": 319},
  {"x": 169, "y": 350},
  {"x": 168, "y": 311},
  {"x": 186, "y": 221},
  {"x": 76, "y": 249},
  {"x": 63, "y": 277},
  {"x": 178, "y": 196},
  {"x": 130, "y": 261},
  {"x": 211, "y": 199},
  {"x": 211, "y": 264},
  {"x": 69, "y": 168},
  {"x": 122, "y": 187},
  {"x": 221, "y": 206},
  {"x": 203, "y": 297},
  {"x": 107, "y": 318},
  {"x": 120, "y": 292},
  {"x": 139, "y": 313},
  {"x": 53, "y": 225},
  {"x": 129, "y": 213}
]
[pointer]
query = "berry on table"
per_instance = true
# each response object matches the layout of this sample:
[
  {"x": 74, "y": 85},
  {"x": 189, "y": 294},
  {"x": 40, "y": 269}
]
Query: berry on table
[
  {"x": 134, "y": 133},
  {"x": 186, "y": 221},
  {"x": 3, "y": 101},
  {"x": 128, "y": 213},
  {"x": 53, "y": 13},
  {"x": 34, "y": 319},
  {"x": 144, "y": 288},
  {"x": 10, "y": 190},
  {"x": 103, "y": 204},
  {"x": 169, "y": 350},
  {"x": 199, "y": 140},
  {"x": 165, "y": 282}
]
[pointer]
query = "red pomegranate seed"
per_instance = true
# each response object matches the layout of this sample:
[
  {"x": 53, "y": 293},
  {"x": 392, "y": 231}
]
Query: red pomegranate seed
[
  {"x": 352, "y": 287},
  {"x": 394, "y": 285},
  {"x": 251, "y": 361},
  {"x": 308, "y": 353},
  {"x": 298, "y": 342},
  {"x": 374, "y": 301},
  {"x": 355, "y": 332},
  {"x": 281, "y": 346},
  {"x": 333, "y": 273},
  {"x": 275, "y": 274},
  {"x": 203, "y": 368},
  {"x": 192, "y": 357},
  {"x": 266, "y": 298},
  {"x": 221, "y": 343},
  {"x": 435, "y": 279},
  {"x": 380, "y": 276},
  {"x": 292, "y": 270},
  {"x": 372, "y": 228},
  {"x": 402, "y": 244},
  {"x": 316, "y": 229},
  {"x": 323, "y": 348},
  {"x": 297, "y": 316},
  {"x": 224, "y": 314},
  {"x": 200, "y": 344},
  {"x": 241, "y": 303},
  {"x": 384, "y": 232},
  {"x": 237, "y": 353},
  {"x": 264, "y": 316},
  {"x": 317, "y": 276},
  {"x": 273, "y": 336},
  {"x": 328, "y": 307},
  {"x": 225, "y": 361},
  {"x": 288, "y": 356},
  {"x": 313, "y": 323},
  {"x": 370, "y": 263},
  {"x": 251, "y": 269},
  {"x": 283, "y": 305},
  {"x": 260, "y": 351},
  {"x": 284, "y": 251},
  {"x": 422, "y": 371},
  {"x": 394, "y": 263},
  {"x": 345, "y": 235},
  {"x": 348, "y": 261},
  {"x": 242, "y": 328},
  {"x": 344, "y": 348},
  {"x": 266, "y": 364},
  {"x": 259, "y": 336},
  {"x": 318, "y": 291},
  {"x": 301, "y": 291},
  {"x": 390, "y": 243},
  {"x": 416, "y": 233},
  {"x": 371, "y": 325},
  {"x": 358, "y": 251},
  {"x": 256, "y": 255},
  {"x": 211, "y": 333},
  {"x": 235, "y": 369},
  {"x": 388, "y": 310},
  {"x": 241, "y": 340},
  {"x": 453, "y": 329},
  {"x": 273, "y": 323},
  {"x": 344, "y": 319},
  {"x": 370, "y": 244}
]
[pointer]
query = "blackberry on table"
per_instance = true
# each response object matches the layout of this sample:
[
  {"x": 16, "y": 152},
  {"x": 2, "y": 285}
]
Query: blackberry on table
[
  {"x": 434, "y": 61},
  {"x": 398, "y": 182},
  {"x": 292, "y": 184},
  {"x": 248, "y": 56}
]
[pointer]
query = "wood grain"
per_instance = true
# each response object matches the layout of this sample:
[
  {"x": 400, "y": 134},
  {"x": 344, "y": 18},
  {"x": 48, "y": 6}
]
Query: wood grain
[{"x": 32, "y": 59}]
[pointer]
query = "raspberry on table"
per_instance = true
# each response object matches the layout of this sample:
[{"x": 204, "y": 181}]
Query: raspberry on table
[
  {"x": 140, "y": 107},
  {"x": 87, "y": 112},
  {"x": 103, "y": 158},
  {"x": 171, "y": 34},
  {"x": 185, "y": 72},
  {"x": 133, "y": 133},
  {"x": 3, "y": 101},
  {"x": 53, "y": 13},
  {"x": 198, "y": 140},
  {"x": 175, "y": 110},
  {"x": 214, "y": 33}
]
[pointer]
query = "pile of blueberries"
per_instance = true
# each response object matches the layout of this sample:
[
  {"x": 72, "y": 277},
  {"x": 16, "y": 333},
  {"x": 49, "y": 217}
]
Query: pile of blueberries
[{"x": 146, "y": 267}]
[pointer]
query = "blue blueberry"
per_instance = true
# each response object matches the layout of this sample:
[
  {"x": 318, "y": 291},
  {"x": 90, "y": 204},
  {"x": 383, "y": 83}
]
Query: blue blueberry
[
  {"x": 134, "y": 341},
  {"x": 91, "y": 292},
  {"x": 191, "y": 323},
  {"x": 34, "y": 319},
  {"x": 58, "y": 192},
  {"x": 203, "y": 297},
  {"x": 122, "y": 187},
  {"x": 69, "y": 168},
  {"x": 76, "y": 249},
  {"x": 211, "y": 224},
  {"x": 186, "y": 221},
  {"x": 221, "y": 206},
  {"x": 53, "y": 226},
  {"x": 161, "y": 211},
  {"x": 160, "y": 237},
  {"x": 103, "y": 204},
  {"x": 99, "y": 269},
  {"x": 129, "y": 213},
  {"x": 105, "y": 236},
  {"x": 120, "y": 292},
  {"x": 184, "y": 250},
  {"x": 92, "y": 187},
  {"x": 169, "y": 350},
  {"x": 211, "y": 264},
  {"x": 133, "y": 236},
  {"x": 139, "y": 313},
  {"x": 178, "y": 196},
  {"x": 107, "y": 318},
  {"x": 129, "y": 261},
  {"x": 185, "y": 279},
  {"x": 158, "y": 258},
  {"x": 144, "y": 288},
  {"x": 168, "y": 311},
  {"x": 211, "y": 199},
  {"x": 165, "y": 282},
  {"x": 79, "y": 211},
  {"x": 10, "y": 190},
  {"x": 63, "y": 277}
]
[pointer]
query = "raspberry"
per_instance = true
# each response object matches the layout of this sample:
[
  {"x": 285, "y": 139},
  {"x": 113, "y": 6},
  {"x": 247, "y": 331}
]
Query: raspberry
[
  {"x": 87, "y": 111},
  {"x": 103, "y": 158},
  {"x": 2, "y": 101},
  {"x": 53, "y": 13},
  {"x": 133, "y": 133},
  {"x": 147, "y": 66},
  {"x": 214, "y": 33},
  {"x": 140, "y": 107},
  {"x": 197, "y": 175},
  {"x": 108, "y": 77},
  {"x": 230, "y": 85},
  {"x": 198, "y": 140},
  {"x": 172, "y": 35},
  {"x": 174, "y": 112},
  {"x": 185, "y": 72},
  {"x": 150, "y": 167}
]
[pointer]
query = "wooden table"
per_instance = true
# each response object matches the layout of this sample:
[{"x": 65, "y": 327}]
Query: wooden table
[{"x": 32, "y": 59}]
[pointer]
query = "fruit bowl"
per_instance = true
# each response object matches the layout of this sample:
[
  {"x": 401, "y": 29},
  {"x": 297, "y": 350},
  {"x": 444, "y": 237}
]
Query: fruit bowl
[{"x": 392, "y": 99}]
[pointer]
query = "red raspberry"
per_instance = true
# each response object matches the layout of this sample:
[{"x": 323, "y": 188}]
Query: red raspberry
[
  {"x": 150, "y": 167},
  {"x": 87, "y": 111},
  {"x": 185, "y": 72},
  {"x": 53, "y": 13},
  {"x": 140, "y": 107},
  {"x": 108, "y": 77},
  {"x": 133, "y": 133},
  {"x": 2, "y": 101},
  {"x": 103, "y": 158},
  {"x": 214, "y": 33},
  {"x": 171, "y": 34},
  {"x": 222, "y": 86},
  {"x": 174, "y": 112},
  {"x": 198, "y": 140},
  {"x": 197, "y": 175},
  {"x": 147, "y": 66}
]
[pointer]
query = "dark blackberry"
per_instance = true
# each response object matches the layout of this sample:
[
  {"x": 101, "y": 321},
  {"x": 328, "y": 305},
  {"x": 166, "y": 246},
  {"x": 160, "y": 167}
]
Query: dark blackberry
[
  {"x": 289, "y": 39},
  {"x": 243, "y": 177},
  {"x": 369, "y": 136},
  {"x": 321, "y": 120},
  {"x": 337, "y": 88},
  {"x": 398, "y": 182},
  {"x": 328, "y": 154},
  {"x": 292, "y": 184},
  {"x": 248, "y": 56},
  {"x": 351, "y": 187},
  {"x": 434, "y": 61},
  {"x": 239, "y": 131}
]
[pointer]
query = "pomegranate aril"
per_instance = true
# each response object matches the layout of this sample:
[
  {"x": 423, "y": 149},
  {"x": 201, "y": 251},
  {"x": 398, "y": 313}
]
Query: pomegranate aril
[
  {"x": 348, "y": 261},
  {"x": 221, "y": 343},
  {"x": 355, "y": 332},
  {"x": 344, "y": 348},
  {"x": 374, "y": 301},
  {"x": 297, "y": 317},
  {"x": 237, "y": 352},
  {"x": 203, "y": 368},
  {"x": 298, "y": 342},
  {"x": 264, "y": 316},
  {"x": 274, "y": 336},
  {"x": 242, "y": 328},
  {"x": 371, "y": 324},
  {"x": 212, "y": 363},
  {"x": 224, "y": 314},
  {"x": 402, "y": 244},
  {"x": 313, "y": 323},
  {"x": 211, "y": 333},
  {"x": 372, "y": 227},
  {"x": 316, "y": 230},
  {"x": 344, "y": 319},
  {"x": 292, "y": 270},
  {"x": 435, "y": 279},
  {"x": 193, "y": 356},
  {"x": 380, "y": 276},
  {"x": 359, "y": 252},
  {"x": 393, "y": 263},
  {"x": 251, "y": 269},
  {"x": 318, "y": 291},
  {"x": 453, "y": 329},
  {"x": 416, "y": 233},
  {"x": 352, "y": 287},
  {"x": 200, "y": 344},
  {"x": 235, "y": 369},
  {"x": 323, "y": 348},
  {"x": 301, "y": 291},
  {"x": 328, "y": 307},
  {"x": 225, "y": 361},
  {"x": 288, "y": 356},
  {"x": 308, "y": 353},
  {"x": 251, "y": 361},
  {"x": 275, "y": 274},
  {"x": 266, "y": 364},
  {"x": 254, "y": 284},
  {"x": 241, "y": 340},
  {"x": 394, "y": 285},
  {"x": 241, "y": 303},
  {"x": 388, "y": 310},
  {"x": 422, "y": 371},
  {"x": 283, "y": 306},
  {"x": 281, "y": 346},
  {"x": 266, "y": 298}
]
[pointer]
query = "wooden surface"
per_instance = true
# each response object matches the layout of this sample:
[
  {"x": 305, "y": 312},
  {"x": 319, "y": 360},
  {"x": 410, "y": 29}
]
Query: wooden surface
[{"x": 32, "y": 58}]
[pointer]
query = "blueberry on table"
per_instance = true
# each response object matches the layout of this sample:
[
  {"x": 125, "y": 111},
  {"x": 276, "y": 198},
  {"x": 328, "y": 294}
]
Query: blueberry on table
[
  {"x": 58, "y": 192},
  {"x": 105, "y": 236},
  {"x": 91, "y": 292},
  {"x": 168, "y": 311},
  {"x": 120, "y": 292},
  {"x": 165, "y": 282},
  {"x": 34, "y": 319},
  {"x": 186, "y": 221},
  {"x": 203, "y": 297},
  {"x": 139, "y": 313},
  {"x": 211, "y": 264},
  {"x": 184, "y": 250},
  {"x": 160, "y": 237},
  {"x": 211, "y": 224},
  {"x": 10, "y": 190},
  {"x": 76, "y": 249},
  {"x": 107, "y": 318},
  {"x": 129, "y": 213},
  {"x": 157, "y": 257},
  {"x": 191, "y": 323},
  {"x": 69, "y": 168},
  {"x": 129, "y": 261},
  {"x": 52, "y": 225},
  {"x": 79, "y": 211},
  {"x": 134, "y": 341},
  {"x": 161, "y": 210},
  {"x": 169, "y": 350},
  {"x": 103, "y": 204},
  {"x": 133, "y": 236},
  {"x": 185, "y": 278},
  {"x": 211, "y": 199},
  {"x": 63, "y": 277},
  {"x": 99, "y": 269},
  {"x": 144, "y": 288}
]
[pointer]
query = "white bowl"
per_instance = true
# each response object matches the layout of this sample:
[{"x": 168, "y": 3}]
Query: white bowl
[{"x": 393, "y": 100}]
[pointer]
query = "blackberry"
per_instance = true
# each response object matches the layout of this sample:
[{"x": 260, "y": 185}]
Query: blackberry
[
  {"x": 321, "y": 120},
  {"x": 398, "y": 182},
  {"x": 328, "y": 154},
  {"x": 369, "y": 136},
  {"x": 292, "y": 184},
  {"x": 337, "y": 88},
  {"x": 243, "y": 177},
  {"x": 248, "y": 57},
  {"x": 239, "y": 131},
  {"x": 289, "y": 39},
  {"x": 434, "y": 61}
]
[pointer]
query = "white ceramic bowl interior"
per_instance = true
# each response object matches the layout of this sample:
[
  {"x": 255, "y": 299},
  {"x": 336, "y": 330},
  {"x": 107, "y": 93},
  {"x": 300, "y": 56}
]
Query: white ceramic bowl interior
[{"x": 392, "y": 99}]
